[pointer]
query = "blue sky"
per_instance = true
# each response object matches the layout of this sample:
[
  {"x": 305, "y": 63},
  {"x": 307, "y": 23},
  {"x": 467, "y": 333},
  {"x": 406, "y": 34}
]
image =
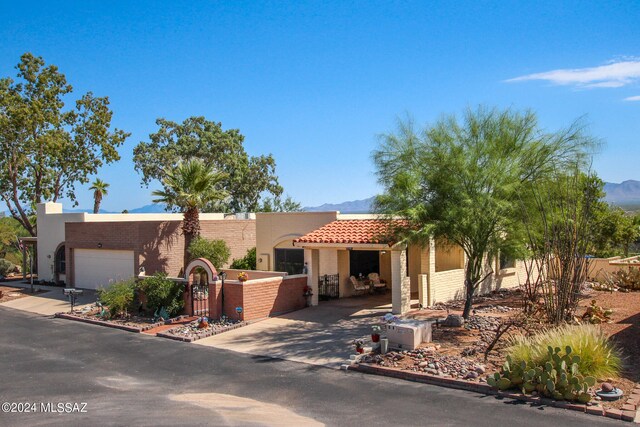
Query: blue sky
[{"x": 313, "y": 83}]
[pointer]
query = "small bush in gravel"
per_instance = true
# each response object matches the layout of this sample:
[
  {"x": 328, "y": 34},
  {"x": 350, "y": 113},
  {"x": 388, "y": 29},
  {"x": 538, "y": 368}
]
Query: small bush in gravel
[
  {"x": 162, "y": 292},
  {"x": 598, "y": 356},
  {"x": 6, "y": 267},
  {"x": 118, "y": 297}
]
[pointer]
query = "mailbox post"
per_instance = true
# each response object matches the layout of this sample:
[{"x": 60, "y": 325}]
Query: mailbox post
[{"x": 72, "y": 293}]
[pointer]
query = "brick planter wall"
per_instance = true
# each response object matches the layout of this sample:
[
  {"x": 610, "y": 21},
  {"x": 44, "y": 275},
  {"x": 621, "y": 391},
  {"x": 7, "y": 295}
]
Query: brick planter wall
[{"x": 264, "y": 297}]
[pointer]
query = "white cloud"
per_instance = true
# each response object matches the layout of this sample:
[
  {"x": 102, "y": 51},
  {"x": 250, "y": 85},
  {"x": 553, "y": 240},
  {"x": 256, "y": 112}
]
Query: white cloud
[
  {"x": 615, "y": 74},
  {"x": 633, "y": 98}
]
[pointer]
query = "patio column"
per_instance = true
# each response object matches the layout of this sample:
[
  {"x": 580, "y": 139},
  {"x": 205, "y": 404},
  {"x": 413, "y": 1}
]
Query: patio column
[
  {"x": 312, "y": 258},
  {"x": 400, "y": 283}
]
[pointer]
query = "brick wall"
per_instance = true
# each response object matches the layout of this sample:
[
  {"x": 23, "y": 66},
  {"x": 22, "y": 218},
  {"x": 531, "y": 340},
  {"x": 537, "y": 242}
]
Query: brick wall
[
  {"x": 157, "y": 245},
  {"x": 264, "y": 297}
]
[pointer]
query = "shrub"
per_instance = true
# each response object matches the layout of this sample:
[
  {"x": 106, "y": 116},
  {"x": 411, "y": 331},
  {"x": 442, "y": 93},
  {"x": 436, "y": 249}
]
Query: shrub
[
  {"x": 248, "y": 262},
  {"x": 598, "y": 356},
  {"x": 6, "y": 267},
  {"x": 118, "y": 297},
  {"x": 162, "y": 292},
  {"x": 215, "y": 251},
  {"x": 628, "y": 279}
]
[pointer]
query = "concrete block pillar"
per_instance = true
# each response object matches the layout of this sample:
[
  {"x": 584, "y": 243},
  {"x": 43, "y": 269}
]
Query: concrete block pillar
[
  {"x": 312, "y": 258},
  {"x": 423, "y": 290},
  {"x": 400, "y": 283}
]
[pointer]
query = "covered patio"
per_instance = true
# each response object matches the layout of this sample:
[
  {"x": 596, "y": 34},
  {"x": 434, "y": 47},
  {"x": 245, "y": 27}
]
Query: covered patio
[{"x": 344, "y": 253}]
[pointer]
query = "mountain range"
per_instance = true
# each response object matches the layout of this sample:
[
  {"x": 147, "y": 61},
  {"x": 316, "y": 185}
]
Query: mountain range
[{"x": 626, "y": 194}]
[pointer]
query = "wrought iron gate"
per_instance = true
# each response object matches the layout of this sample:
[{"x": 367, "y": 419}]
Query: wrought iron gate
[
  {"x": 200, "y": 299},
  {"x": 328, "y": 286}
]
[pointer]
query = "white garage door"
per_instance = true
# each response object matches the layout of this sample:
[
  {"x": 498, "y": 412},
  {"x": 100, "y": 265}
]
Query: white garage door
[{"x": 96, "y": 268}]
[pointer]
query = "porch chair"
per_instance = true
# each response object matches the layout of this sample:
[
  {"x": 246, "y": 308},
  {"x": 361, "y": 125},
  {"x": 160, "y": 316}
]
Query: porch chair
[
  {"x": 359, "y": 287},
  {"x": 379, "y": 285}
]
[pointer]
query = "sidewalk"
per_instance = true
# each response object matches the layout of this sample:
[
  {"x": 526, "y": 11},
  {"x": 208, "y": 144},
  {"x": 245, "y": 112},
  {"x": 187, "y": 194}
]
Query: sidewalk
[{"x": 47, "y": 303}]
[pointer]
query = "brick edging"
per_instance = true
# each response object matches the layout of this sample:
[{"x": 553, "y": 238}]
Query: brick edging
[
  {"x": 200, "y": 335},
  {"x": 98, "y": 322},
  {"x": 625, "y": 414},
  {"x": 135, "y": 329}
]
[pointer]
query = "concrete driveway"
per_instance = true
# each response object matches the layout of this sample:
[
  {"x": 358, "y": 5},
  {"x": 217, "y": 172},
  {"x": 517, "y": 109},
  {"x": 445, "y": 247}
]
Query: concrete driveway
[
  {"x": 320, "y": 335},
  {"x": 49, "y": 302}
]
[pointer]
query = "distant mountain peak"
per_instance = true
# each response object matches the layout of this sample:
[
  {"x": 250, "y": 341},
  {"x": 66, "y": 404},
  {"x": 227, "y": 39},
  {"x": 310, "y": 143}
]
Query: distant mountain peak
[{"x": 354, "y": 206}]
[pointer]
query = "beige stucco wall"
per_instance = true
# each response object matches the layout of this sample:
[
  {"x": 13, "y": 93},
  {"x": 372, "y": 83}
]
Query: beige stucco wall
[
  {"x": 281, "y": 228},
  {"x": 448, "y": 257}
]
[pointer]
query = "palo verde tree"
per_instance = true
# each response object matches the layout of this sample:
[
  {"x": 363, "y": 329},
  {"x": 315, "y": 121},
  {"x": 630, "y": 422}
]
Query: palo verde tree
[
  {"x": 247, "y": 178},
  {"x": 45, "y": 149},
  {"x": 189, "y": 187},
  {"x": 458, "y": 180}
]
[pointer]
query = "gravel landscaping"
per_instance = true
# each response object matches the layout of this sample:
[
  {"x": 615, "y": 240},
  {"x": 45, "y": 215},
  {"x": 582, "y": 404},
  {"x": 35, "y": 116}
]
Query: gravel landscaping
[{"x": 459, "y": 352}]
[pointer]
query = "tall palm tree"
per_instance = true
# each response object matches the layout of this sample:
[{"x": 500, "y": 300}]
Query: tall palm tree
[
  {"x": 190, "y": 186},
  {"x": 99, "y": 188}
]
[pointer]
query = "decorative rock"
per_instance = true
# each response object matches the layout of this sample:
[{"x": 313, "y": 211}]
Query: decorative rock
[
  {"x": 471, "y": 375},
  {"x": 453, "y": 320},
  {"x": 481, "y": 369},
  {"x": 424, "y": 364},
  {"x": 607, "y": 387}
]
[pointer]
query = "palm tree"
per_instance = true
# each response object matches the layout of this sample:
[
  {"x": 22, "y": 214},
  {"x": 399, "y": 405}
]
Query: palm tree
[
  {"x": 190, "y": 186},
  {"x": 99, "y": 188}
]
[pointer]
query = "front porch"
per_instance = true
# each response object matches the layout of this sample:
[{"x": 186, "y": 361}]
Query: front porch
[{"x": 345, "y": 252}]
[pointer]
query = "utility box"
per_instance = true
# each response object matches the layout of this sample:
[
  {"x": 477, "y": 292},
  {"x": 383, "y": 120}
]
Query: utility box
[{"x": 408, "y": 334}]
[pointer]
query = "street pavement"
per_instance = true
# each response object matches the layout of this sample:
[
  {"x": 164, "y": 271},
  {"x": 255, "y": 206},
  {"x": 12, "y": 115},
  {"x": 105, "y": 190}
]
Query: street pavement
[{"x": 136, "y": 379}]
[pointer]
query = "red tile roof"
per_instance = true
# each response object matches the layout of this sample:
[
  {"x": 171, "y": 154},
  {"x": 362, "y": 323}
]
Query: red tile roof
[{"x": 354, "y": 231}]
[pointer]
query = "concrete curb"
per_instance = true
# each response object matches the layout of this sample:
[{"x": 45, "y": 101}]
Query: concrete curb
[{"x": 627, "y": 413}]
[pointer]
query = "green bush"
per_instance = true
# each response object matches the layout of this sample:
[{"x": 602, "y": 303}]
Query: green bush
[
  {"x": 6, "y": 267},
  {"x": 118, "y": 297},
  {"x": 162, "y": 292},
  {"x": 248, "y": 262},
  {"x": 215, "y": 251},
  {"x": 598, "y": 356}
]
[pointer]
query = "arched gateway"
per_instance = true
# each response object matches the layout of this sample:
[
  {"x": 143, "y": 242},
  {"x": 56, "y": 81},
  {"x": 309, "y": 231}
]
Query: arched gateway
[{"x": 201, "y": 299}]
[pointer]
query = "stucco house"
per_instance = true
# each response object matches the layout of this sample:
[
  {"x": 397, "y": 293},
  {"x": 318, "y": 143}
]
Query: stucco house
[
  {"x": 91, "y": 250},
  {"x": 332, "y": 247}
]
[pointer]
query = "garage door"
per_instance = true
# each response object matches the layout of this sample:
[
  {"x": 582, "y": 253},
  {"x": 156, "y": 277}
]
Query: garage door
[{"x": 96, "y": 268}]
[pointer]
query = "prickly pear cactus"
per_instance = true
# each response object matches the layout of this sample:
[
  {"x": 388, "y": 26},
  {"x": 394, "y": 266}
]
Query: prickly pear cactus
[{"x": 559, "y": 377}]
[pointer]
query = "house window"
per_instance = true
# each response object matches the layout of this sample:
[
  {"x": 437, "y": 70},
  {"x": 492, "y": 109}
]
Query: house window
[
  {"x": 61, "y": 260},
  {"x": 289, "y": 260},
  {"x": 506, "y": 261}
]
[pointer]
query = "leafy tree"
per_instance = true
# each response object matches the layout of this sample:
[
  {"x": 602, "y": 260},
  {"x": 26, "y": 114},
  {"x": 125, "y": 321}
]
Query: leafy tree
[
  {"x": 190, "y": 186},
  {"x": 10, "y": 230},
  {"x": 248, "y": 262},
  {"x": 276, "y": 204},
  {"x": 99, "y": 188},
  {"x": 45, "y": 150},
  {"x": 247, "y": 177},
  {"x": 215, "y": 251},
  {"x": 615, "y": 231},
  {"x": 459, "y": 180}
]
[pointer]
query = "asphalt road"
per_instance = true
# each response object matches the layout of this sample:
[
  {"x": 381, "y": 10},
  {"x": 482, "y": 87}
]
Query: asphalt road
[{"x": 135, "y": 379}]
